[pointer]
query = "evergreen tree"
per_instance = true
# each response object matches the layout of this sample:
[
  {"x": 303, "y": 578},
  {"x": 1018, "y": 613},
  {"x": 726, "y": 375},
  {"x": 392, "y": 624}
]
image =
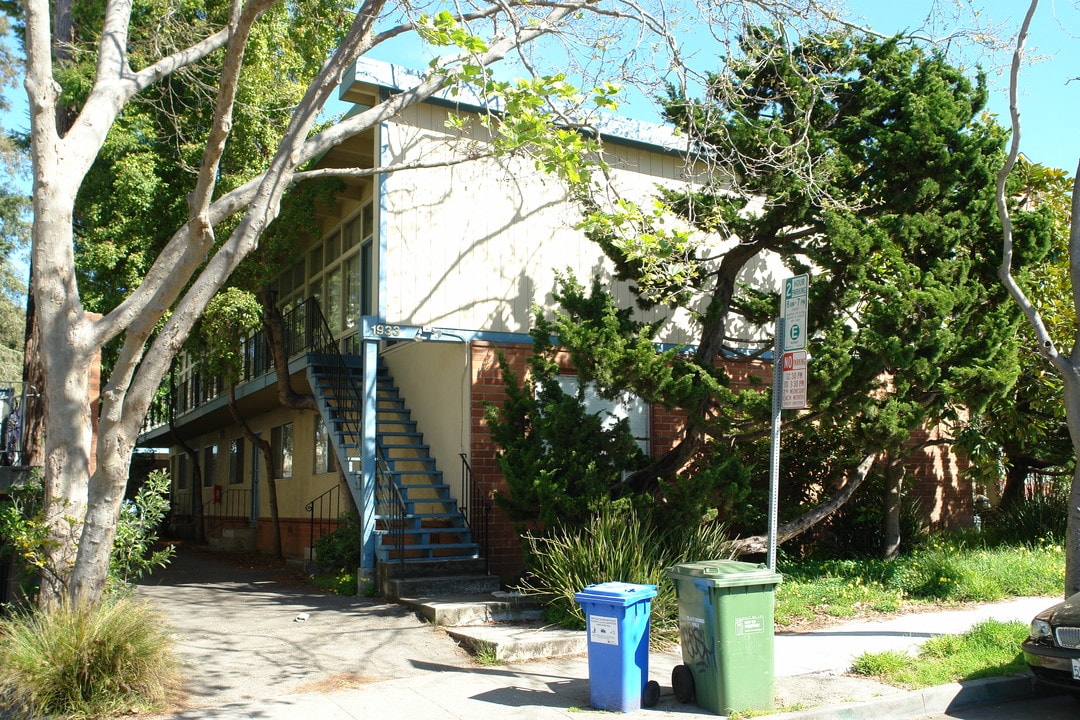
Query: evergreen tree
[{"x": 892, "y": 216}]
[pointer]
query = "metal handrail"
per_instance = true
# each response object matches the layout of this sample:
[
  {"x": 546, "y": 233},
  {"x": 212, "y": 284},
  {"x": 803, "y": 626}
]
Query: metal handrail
[
  {"x": 390, "y": 506},
  {"x": 234, "y": 503},
  {"x": 477, "y": 510},
  {"x": 329, "y": 505}
]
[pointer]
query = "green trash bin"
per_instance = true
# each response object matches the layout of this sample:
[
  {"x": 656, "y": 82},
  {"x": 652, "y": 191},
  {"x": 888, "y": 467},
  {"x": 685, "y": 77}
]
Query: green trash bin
[{"x": 726, "y": 634}]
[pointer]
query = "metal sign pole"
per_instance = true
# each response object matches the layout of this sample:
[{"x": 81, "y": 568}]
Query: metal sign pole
[{"x": 774, "y": 445}]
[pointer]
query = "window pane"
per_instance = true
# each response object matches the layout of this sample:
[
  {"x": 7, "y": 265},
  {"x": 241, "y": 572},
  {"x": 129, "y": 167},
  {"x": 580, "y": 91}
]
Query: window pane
[
  {"x": 332, "y": 249},
  {"x": 334, "y": 299},
  {"x": 286, "y": 450},
  {"x": 321, "y": 448},
  {"x": 236, "y": 461},
  {"x": 368, "y": 218},
  {"x": 353, "y": 234},
  {"x": 366, "y": 280},
  {"x": 352, "y": 292}
]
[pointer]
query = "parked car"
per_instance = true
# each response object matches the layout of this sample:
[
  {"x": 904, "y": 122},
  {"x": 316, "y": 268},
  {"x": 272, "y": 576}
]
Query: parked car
[{"x": 1052, "y": 649}]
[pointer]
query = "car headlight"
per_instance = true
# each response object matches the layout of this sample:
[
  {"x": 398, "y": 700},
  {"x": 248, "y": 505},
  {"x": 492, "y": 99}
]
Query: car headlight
[{"x": 1040, "y": 629}]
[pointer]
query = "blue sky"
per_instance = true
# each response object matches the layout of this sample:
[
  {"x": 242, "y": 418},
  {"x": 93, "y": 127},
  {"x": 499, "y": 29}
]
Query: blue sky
[{"x": 1049, "y": 103}]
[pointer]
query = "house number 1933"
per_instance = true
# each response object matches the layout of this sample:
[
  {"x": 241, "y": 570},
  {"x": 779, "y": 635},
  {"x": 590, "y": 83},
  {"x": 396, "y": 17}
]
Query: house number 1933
[{"x": 386, "y": 330}]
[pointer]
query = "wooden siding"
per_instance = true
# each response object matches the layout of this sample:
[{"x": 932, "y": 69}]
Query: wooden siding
[{"x": 477, "y": 245}]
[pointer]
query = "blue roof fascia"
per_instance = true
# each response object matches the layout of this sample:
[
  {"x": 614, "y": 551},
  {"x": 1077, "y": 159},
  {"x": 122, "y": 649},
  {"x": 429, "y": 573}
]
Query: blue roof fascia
[{"x": 612, "y": 128}]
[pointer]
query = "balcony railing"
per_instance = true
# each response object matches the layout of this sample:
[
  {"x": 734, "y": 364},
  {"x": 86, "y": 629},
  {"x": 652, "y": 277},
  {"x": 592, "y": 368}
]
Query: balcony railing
[
  {"x": 192, "y": 387},
  {"x": 16, "y": 398}
]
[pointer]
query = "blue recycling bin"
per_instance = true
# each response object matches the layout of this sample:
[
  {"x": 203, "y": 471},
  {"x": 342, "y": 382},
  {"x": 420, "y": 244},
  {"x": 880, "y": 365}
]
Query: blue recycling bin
[{"x": 617, "y": 626}]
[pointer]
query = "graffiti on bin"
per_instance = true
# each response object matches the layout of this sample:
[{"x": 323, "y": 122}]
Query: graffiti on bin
[{"x": 698, "y": 648}]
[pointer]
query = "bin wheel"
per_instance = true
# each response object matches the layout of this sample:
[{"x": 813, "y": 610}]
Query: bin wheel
[
  {"x": 651, "y": 694},
  {"x": 682, "y": 683}
]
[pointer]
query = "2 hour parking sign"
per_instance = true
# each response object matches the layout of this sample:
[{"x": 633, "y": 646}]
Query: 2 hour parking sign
[{"x": 793, "y": 311}]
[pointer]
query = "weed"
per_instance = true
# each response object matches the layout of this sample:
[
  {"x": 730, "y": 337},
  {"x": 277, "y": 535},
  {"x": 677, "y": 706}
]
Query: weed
[{"x": 486, "y": 655}]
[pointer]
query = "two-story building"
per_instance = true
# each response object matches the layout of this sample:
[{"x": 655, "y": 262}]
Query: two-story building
[{"x": 395, "y": 314}]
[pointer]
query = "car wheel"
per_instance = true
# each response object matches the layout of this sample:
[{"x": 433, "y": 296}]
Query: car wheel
[{"x": 682, "y": 683}]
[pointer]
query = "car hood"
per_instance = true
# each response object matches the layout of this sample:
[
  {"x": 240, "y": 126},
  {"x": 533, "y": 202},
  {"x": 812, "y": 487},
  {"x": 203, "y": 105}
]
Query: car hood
[{"x": 1065, "y": 613}]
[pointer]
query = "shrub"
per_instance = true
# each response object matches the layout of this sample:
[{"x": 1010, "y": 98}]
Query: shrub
[
  {"x": 619, "y": 543},
  {"x": 22, "y": 524},
  {"x": 133, "y": 555},
  {"x": 339, "y": 551},
  {"x": 1042, "y": 517},
  {"x": 82, "y": 661}
]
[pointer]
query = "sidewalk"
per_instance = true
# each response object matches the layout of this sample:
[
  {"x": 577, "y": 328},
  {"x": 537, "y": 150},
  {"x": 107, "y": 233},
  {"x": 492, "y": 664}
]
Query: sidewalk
[{"x": 257, "y": 648}]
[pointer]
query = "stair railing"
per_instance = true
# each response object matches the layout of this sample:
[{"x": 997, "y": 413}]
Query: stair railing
[
  {"x": 476, "y": 510},
  {"x": 233, "y": 506},
  {"x": 390, "y": 506},
  {"x": 323, "y": 514},
  {"x": 337, "y": 375}
]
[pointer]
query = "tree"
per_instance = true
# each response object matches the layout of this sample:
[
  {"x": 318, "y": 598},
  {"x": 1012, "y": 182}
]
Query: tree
[
  {"x": 892, "y": 216},
  {"x": 1024, "y": 431},
  {"x": 220, "y": 224},
  {"x": 14, "y": 227},
  {"x": 1067, "y": 366}
]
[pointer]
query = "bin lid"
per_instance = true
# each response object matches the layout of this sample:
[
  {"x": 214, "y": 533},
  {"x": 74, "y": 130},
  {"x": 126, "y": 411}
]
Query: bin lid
[
  {"x": 726, "y": 573},
  {"x": 616, "y": 593}
]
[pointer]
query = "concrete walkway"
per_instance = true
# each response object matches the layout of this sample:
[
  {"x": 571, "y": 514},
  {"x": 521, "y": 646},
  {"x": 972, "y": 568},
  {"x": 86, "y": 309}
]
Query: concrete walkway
[{"x": 258, "y": 645}]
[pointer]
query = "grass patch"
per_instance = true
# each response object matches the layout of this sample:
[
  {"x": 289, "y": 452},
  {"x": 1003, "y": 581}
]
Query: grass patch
[
  {"x": 339, "y": 583},
  {"x": 944, "y": 571},
  {"x": 989, "y": 649},
  {"x": 86, "y": 661}
]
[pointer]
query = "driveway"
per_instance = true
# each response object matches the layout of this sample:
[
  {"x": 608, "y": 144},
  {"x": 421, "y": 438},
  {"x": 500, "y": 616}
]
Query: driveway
[{"x": 248, "y": 629}]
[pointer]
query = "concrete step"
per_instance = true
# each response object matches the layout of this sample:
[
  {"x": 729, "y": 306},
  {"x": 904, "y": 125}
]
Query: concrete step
[
  {"x": 477, "y": 609},
  {"x": 506, "y": 626},
  {"x": 517, "y": 643},
  {"x": 436, "y": 586}
]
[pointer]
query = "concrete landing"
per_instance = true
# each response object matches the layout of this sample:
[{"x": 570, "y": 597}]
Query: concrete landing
[{"x": 504, "y": 626}]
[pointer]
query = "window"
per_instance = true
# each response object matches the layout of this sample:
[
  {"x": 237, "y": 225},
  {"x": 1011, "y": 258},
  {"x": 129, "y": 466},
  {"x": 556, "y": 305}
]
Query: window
[
  {"x": 236, "y": 461},
  {"x": 631, "y": 407},
  {"x": 323, "y": 452},
  {"x": 182, "y": 477},
  {"x": 209, "y": 465},
  {"x": 282, "y": 446},
  {"x": 339, "y": 274}
]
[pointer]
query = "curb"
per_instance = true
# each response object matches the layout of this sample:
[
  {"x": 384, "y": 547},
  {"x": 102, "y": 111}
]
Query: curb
[{"x": 929, "y": 701}]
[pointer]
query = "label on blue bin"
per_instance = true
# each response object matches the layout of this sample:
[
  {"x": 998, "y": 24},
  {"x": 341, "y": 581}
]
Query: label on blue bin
[
  {"x": 603, "y": 630},
  {"x": 750, "y": 625}
]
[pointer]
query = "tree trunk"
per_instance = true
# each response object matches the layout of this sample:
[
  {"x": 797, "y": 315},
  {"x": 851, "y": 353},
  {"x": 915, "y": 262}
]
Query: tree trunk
[
  {"x": 275, "y": 338},
  {"x": 794, "y": 528},
  {"x": 271, "y": 467},
  {"x": 33, "y": 410},
  {"x": 895, "y": 471},
  {"x": 67, "y": 471}
]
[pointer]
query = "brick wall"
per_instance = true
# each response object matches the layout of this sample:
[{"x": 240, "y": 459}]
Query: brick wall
[
  {"x": 666, "y": 425},
  {"x": 505, "y": 552},
  {"x": 935, "y": 480}
]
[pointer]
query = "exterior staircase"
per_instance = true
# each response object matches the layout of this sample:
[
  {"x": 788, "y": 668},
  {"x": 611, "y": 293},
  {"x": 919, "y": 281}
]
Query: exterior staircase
[{"x": 424, "y": 546}]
